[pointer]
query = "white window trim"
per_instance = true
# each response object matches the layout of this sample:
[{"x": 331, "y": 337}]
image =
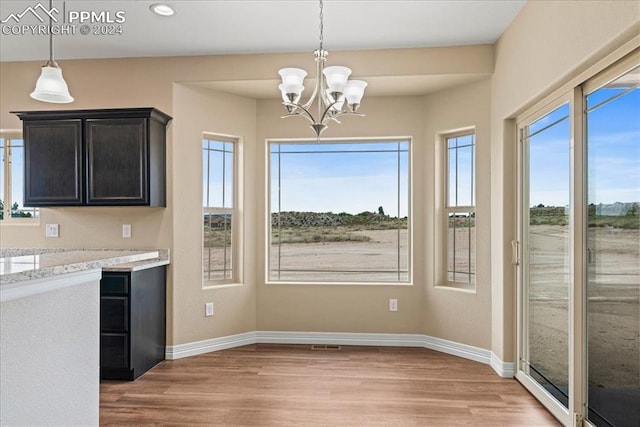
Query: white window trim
[
  {"x": 10, "y": 134},
  {"x": 443, "y": 209},
  {"x": 267, "y": 217},
  {"x": 235, "y": 211}
]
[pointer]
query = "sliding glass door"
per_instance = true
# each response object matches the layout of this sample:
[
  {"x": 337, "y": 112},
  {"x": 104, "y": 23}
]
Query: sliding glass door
[
  {"x": 613, "y": 252},
  {"x": 579, "y": 267},
  {"x": 546, "y": 161}
]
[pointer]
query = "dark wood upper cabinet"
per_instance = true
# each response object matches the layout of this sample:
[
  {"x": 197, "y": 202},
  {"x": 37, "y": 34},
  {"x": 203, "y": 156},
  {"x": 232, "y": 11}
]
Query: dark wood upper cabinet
[
  {"x": 116, "y": 161},
  {"x": 58, "y": 145},
  {"x": 95, "y": 157}
]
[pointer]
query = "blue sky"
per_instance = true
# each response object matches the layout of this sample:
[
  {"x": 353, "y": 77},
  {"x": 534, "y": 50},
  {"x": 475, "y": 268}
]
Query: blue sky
[
  {"x": 613, "y": 150},
  {"x": 321, "y": 177}
]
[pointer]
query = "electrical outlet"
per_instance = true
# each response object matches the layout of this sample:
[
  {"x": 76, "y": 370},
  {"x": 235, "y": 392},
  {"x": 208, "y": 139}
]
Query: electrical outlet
[
  {"x": 51, "y": 230},
  {"x": 208, "y": 309},
  {"x": 126, "y": 231},
  {"x": 393, "y": 304}
]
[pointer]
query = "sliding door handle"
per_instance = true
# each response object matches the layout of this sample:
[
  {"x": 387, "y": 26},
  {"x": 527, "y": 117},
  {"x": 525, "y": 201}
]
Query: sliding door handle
[{"x": 515, "y": 252}]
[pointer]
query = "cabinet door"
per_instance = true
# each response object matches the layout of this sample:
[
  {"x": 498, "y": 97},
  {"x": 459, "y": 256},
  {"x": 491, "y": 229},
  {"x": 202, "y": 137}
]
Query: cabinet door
[
  {"x": 117, "y": 161},
  {"x": 53, "y": 162},
  {"x": 114, "y": 314},
  {"x": 114, "y": 350}
]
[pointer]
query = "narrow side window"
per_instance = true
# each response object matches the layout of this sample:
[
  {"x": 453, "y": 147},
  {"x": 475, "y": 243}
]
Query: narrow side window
[{"x": 218, "y": 210}]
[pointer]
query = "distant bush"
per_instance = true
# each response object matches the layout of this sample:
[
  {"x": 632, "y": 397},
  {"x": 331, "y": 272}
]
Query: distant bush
[
  {"x": 558, "y": 215},
  {"x": 362, "y": 221},
  {"x": 316, "y": 235},
  {"x": 624, "y": 222}
]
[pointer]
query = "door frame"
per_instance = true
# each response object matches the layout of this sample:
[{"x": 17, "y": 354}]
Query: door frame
[
  {"x": 607, "y": 70},
  {"x": 554, "y": 406}
]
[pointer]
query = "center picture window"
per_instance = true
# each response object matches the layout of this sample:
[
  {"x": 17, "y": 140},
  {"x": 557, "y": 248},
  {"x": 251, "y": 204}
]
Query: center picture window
[{"x": 339, "y": 212}]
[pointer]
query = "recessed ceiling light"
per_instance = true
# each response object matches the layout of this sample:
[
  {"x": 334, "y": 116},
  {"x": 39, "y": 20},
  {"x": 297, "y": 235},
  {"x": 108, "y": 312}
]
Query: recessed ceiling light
[{"x": 162, "y": 9}]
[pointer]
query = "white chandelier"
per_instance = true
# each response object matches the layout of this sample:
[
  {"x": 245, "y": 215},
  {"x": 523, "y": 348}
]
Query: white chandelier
[{"x": 332, "y": 88}]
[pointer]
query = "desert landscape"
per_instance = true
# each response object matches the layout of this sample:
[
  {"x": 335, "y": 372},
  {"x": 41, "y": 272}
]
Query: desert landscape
[
  {"x": 309, "y": 247},
  {"x": 613, "y": 305}
]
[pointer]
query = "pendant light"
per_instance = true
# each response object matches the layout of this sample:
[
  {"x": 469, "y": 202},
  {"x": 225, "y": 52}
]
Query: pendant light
[{"x": 51, "y": 86}]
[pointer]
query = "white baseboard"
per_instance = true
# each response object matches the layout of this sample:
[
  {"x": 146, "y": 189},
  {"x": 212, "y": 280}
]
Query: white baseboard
[
  {"x": 504, "y": 369},
  {"x": 179, "y": 351},
  {"x": 465, "y": 351},
  {"x": 340, "y": 338}
]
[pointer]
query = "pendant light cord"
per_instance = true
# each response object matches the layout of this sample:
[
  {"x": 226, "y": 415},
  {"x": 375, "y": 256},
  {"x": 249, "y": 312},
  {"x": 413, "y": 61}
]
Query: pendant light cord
[
  {"x": 50, "y": 33},
  {"x": 321, "y": 25}
]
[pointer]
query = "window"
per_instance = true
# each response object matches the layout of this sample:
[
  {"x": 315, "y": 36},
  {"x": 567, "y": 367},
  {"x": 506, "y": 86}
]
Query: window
[
  {"x": 219, "y": 209},
  {"x": 459, "y": 209},
  {"x": 339, "y": 212},
  {"x": 12, "y": 178}
]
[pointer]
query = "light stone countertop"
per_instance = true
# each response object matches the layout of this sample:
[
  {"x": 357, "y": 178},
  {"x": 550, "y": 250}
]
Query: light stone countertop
[
  {"x": 160, "y": 260},
  {"x": 20, "y": 265}
]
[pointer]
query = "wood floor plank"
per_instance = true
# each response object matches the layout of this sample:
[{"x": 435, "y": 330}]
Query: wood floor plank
[{"x": 292, "y": 385}]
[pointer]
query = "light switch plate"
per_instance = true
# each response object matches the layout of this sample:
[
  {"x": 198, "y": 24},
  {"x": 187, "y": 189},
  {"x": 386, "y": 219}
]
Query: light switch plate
[
  {"x": 208, "y": 309},
  {"x": 51, "y": 230},
  {"x": 126, "y": 231}
]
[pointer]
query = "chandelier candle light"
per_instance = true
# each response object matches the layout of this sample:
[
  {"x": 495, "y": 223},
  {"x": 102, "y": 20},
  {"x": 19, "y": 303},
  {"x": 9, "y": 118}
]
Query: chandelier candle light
[{"x": 332, "y": 88}]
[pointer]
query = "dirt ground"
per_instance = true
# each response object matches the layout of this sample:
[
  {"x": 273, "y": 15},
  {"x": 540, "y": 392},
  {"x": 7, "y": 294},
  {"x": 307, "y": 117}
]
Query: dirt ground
[
  {"x": 377, "y": 259},
  {"x": 613, "y": 305}
]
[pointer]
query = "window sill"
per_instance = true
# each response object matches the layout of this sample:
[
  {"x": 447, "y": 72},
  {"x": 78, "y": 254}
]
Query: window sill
[
  {"x": 216, "y": 285},
  {"x": 269, "y": 283},
  {"x": 20, "y": 222},
  {"x": 460, "y": 287}
]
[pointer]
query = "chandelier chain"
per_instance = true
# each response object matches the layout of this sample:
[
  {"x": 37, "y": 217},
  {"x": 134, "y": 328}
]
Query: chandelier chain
[{"x": 321, "y": 25}]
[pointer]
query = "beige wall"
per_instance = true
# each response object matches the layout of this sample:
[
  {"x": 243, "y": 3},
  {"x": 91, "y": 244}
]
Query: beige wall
[
  {"x": 357, "y": 308},
  {"x": 450, "y": 313},
  {"x": 547, "y": 44},
  {"x": 164, "y": 83},
  {"x": 196, "y": 111}
]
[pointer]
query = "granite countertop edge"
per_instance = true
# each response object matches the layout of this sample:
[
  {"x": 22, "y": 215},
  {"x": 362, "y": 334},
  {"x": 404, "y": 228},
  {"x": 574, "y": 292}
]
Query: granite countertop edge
[
  {"x": 128, "y": 262},
  {"x": 163, "y": 259}
]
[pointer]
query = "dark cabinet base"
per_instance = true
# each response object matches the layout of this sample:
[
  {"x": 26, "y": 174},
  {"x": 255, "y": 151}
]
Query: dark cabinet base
[{"x": 132, "y": 322}]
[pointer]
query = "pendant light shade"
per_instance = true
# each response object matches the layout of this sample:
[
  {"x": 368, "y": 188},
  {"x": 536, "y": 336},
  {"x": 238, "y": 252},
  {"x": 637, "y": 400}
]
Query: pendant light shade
[{"x": 51, "y": 86}]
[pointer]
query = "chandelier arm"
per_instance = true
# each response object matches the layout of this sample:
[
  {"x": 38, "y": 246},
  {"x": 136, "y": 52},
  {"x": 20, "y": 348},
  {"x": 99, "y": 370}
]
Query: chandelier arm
[
  {"x": 326, "y": 117},
  {"x": 343, "y": 113},
  {"x": 301, "y": 111},
  {"x": 320, "y": 56},
  {"x": 350, "y": 113}
]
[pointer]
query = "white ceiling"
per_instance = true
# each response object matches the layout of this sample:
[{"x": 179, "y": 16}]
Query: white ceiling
[{"x": 259, "y": 26}]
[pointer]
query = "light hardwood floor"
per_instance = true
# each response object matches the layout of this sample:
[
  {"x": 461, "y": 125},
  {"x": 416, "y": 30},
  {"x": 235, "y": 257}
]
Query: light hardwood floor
[{"x": 292, "y": 385}]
